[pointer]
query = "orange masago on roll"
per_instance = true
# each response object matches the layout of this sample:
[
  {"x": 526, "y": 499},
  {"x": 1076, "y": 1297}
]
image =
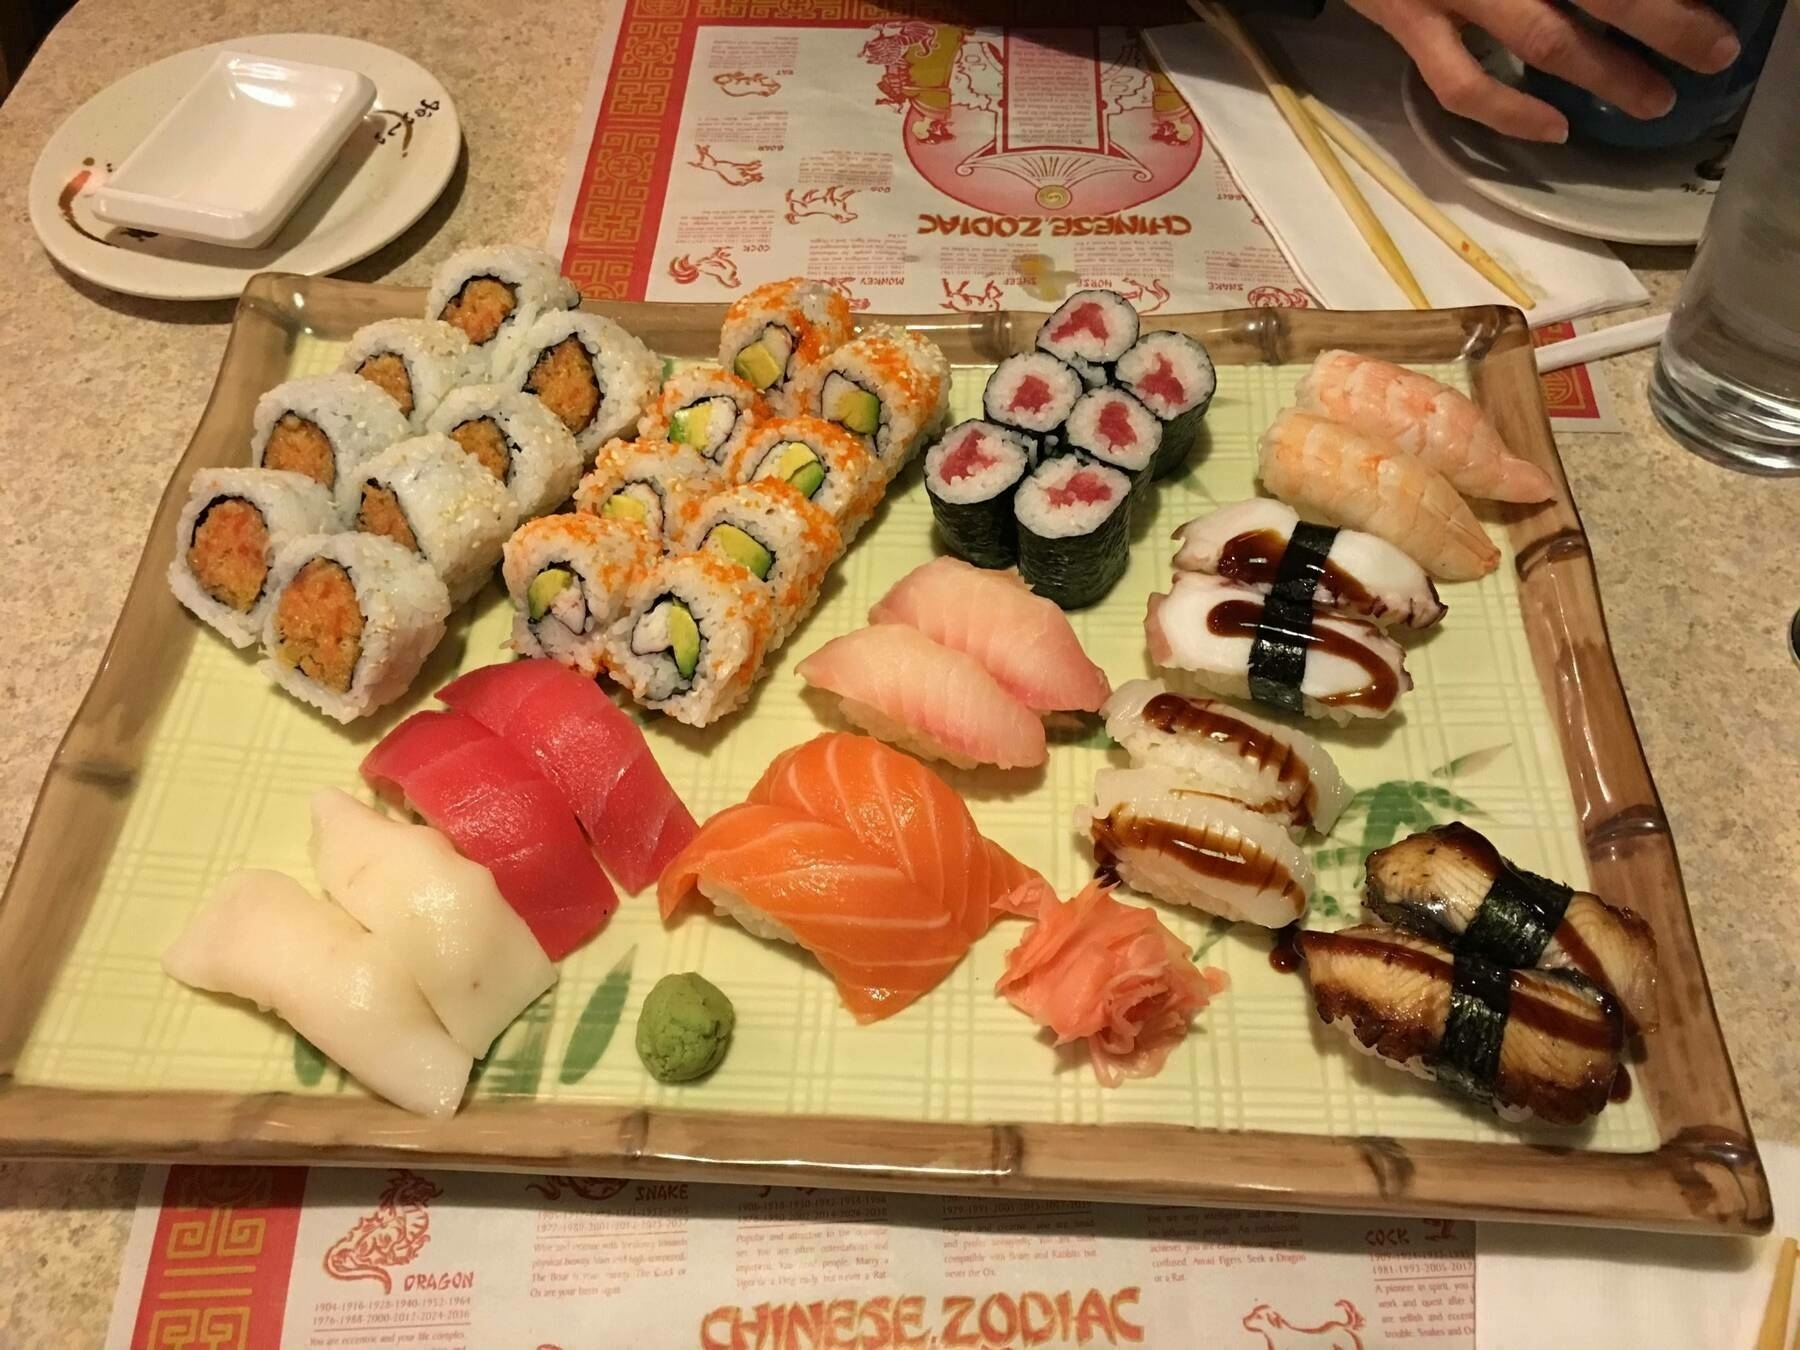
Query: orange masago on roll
[{"x": 861, "y": 855}]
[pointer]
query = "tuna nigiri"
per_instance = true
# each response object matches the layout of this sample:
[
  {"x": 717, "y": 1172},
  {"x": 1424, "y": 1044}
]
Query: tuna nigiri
[
  {"x": 500, "y": 812},
  {"x": 1323, "y": 469},
  {"x": 1023, "y": 640},
  {"x": 592, "y": 752},
  {"x": 900, "y": 685},
  {"x": 1439, "y": 425},
  {"x": 263, "y": 937}
]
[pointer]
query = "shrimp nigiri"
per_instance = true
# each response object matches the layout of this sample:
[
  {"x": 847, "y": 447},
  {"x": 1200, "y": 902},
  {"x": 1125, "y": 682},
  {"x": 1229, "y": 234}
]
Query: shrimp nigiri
[
  {"x": 1325, "y": 469},
  {"x": 1425, "y": 418}
]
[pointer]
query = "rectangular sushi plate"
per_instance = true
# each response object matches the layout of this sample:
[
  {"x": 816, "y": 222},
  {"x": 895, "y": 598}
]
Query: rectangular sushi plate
[{"x": 183, "y": 763}]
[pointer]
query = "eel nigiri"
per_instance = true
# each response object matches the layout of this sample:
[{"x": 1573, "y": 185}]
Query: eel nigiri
[
  {"x": 901, "y": 686},
  {"x": 1023, "y": 640},
  {"x": 263, "y": 937},
  {"x": 1262, "y": 542},
  {"x": 1270, "y": 768},
  {"x": 1166, "y": 839},
  {"x": 1240, "y": 643},
  {"x": 1428, "y": 419},
  {"x": 500, "y": 812},
  {"x": 440, "y": 914},
  {"x": 1452, "y": 880},
  {"x": 1347, "y": 478},
  {"x": 1108, "y": 973},
  {"x": 1527, "y": 1042},
  {"x": 593, "y": 752}
]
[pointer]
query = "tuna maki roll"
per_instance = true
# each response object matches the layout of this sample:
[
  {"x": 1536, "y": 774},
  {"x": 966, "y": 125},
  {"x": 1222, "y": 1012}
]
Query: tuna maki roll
[
  {"x": 323, "y": 426},
  {"x": 1090, "y": 330},
  {"x": 1170, "y": 374},
  {"x": 494, "y": 294},
  {"x": 1034, "y": 393},
  {"x": 970, "y": 476},
  {"x": 516, "y": 439},
  {"x": 1073, "y": 520},
  {"x": 1111, "y": 427},
  {"x": 587, "y": 370},
  {"x": 707, "y": 408}
]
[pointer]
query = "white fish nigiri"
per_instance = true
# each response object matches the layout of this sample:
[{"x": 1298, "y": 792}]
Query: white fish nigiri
[
  {"x": 263, "y": 937},
  {"x": 1341, "y": 476},
  {"x": 1361, "y": 574},
  {"x": 1272, "y": 769},
  {"x": 1167, "y": 840},
  {"x": 1424, "y": 417},
  {"x": 440, "y": 914},
  {"x": 1207, "y": 629}
]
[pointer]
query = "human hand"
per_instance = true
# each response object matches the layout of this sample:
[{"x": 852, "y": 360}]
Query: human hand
[{"x": 1558, "y": 43}]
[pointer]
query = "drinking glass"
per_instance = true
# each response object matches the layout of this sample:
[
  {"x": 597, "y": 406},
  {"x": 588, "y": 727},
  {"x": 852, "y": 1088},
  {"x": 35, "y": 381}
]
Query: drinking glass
[{"x": 1727, "y": 380}]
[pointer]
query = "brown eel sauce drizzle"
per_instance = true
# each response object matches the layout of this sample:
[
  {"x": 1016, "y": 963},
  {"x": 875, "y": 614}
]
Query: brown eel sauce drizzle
[
  {"x": 1285, "y": 954},
  {"x": 1174, "y": 715},
  {"x": 1197, "y": 850},
  {"x": 1243, "y": 618},
  {"x": 1254, "y": 558}
]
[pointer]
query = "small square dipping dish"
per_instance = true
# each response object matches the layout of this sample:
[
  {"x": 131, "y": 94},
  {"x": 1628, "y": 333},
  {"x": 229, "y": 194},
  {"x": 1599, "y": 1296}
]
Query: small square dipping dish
[{"x": 232, "y": 159}]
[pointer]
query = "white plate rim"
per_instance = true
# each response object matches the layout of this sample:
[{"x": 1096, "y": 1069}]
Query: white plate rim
[{"x": 177, "y": 279}]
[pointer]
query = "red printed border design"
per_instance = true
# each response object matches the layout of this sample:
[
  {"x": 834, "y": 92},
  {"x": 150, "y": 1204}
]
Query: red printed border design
[
  {"x": 1569, "y": 392},
  {"x": 220, "y": 1259}
]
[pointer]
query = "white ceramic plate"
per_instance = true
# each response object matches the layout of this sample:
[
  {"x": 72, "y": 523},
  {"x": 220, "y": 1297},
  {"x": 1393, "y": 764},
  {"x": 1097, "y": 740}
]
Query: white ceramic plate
[
  {"x": 388, "y": 173},
  {"x": 1624, "y": 196}
]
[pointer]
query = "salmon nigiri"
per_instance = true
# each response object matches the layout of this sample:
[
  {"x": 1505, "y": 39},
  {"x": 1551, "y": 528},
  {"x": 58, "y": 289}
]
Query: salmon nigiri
[
  {"x": 899, "y": 684},
  {"x": 1424, "y": 417},
  {"x": 1324, "y": 469},
  {"x": 1023, "y": 640}
]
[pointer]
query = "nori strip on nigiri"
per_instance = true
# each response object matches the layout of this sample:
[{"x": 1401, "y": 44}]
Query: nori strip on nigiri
[
  {"x": 1278, "y": 653},
  {"x": 1468, "y": 1055}
]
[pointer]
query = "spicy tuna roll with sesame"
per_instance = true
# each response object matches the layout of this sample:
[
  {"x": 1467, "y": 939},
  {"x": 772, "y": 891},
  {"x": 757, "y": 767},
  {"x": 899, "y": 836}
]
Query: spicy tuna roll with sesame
[
  {"x": 437, "y": 502},
  {"x": 1090, "y": 330},
  {"x": 234, "y": 523},
  {"x": 692, "y": 639},
  {"x": 1033, "y": 393},
  {"x": 971, "y": 475},
  {"x": 706, "y": 408},
  {"x": 1111, "y": 427},
  {"x": 323, "y": 426},
  {"x": 352, "y": 620},
  {"x": 888, "y": 386},
  {"x": 1074, "y": 518},
  {"x": 819, "y": 460},
  {"x": 415, "y": 362},
  {"x": 516, "y": 439},
  {"x": 649, "y": 484},
  {"x": 569, "y": 577},
  {"x": 494, "y": 294},
  {"x": 1172, "y": 375},
  {"x": 778, "y": 336},
  {"x": 786, "y": 542},
  {"x": 587, "y": 370}
]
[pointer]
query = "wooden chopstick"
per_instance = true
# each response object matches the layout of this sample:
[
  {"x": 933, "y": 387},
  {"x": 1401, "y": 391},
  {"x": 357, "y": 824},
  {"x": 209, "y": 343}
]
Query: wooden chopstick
[
  {"x": 1374, "y": 233},
  {"x": 1401, "y": 188},
  {"x": 1781, "y": 1293}
]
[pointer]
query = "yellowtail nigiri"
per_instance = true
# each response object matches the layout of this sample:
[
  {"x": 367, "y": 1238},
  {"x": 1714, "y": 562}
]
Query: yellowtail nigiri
[
  {"x": 1323, "y": 469},
  {"x": 1424, "y": 417}
]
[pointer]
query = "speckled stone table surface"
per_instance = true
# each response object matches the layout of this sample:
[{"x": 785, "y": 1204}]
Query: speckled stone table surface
[{"x": 1699, "y": 567}]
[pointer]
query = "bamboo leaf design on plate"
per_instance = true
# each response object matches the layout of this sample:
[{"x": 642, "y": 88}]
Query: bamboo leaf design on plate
[
  {"x": 1473, "y": 762},
  {"x": 309, "y": 1061},
  {"x": 594, "y": 1028},
  {"x": 515, "y": 1066}
]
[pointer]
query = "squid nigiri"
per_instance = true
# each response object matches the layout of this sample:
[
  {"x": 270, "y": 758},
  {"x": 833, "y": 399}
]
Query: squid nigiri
[
  {"x": 440, "y": 914},
  {"x": 265, "y": 938},
  {"x": 1323, "y": 469},
  {"x": 1428, "y": 419},
  {"x": 1262, "y": 542}
]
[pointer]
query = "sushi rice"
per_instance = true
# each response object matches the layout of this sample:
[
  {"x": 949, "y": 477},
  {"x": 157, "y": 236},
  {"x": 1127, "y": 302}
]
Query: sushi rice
[
  {"x": 778, "y": 336},
  {"x": 902, "y": 375},
  {"x": 517, "y": 439},
  {"x": 494, "y": 295},
  {"x": 323, "y": 426},
  {"x": 797, "y": 539},
  {"x": 820, "y": 460},
  {"x": 234, "y": 523},
  {"x": 353, "y": 619},
  {"x": 707, "y": 408},
  {"x": 429, "y": 496},
  {"x": 656, "y": 485},
  {"x": 415, "y": 362},
  {"x": 569, "y": 577},
  {"x": 587, "y": 370}
]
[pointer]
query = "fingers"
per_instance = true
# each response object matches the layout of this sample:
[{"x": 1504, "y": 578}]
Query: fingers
[
  {"x": 1681, "y": 30},
  {"x": 1550, "y": 40},
  {"x": 1462, "y": 86}
]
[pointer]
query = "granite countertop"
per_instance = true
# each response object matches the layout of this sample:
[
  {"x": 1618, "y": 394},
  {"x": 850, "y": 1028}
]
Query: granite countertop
[{"x": 1697, "y": 565}]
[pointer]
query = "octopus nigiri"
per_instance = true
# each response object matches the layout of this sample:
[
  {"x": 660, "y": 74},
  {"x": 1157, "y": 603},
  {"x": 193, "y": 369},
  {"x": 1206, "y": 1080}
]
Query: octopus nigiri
[
  {"x": 1424, "y": 417},
  {"x": 1452, "y": 880},
  {"x": 1324, "y": 469}
]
